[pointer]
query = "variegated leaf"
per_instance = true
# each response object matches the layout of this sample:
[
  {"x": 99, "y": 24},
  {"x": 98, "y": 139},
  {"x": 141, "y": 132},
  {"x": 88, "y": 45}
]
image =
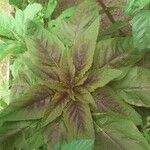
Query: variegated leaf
[
  {"x": 84, "y": 47},
  {"x": 83, "y": 15},
  {"x": 67, "y": 69},
  {"x": 99, "y": 78},
  {"x": 78, "y": 120},
  {"x": 44, "y": 72},
  {"x": 29, "y": 106},
  {"x": 55, "y": 134},
  {"x": 107, "y": 101},
  {"x": 55, "y": 107},
  {"x": 116, "y": 53},
  {"x": 46, "y": 48},
  {"x": 84, "y": 96}
]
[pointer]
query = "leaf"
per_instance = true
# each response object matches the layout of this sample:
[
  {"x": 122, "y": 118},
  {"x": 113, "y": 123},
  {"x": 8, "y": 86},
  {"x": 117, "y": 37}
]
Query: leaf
[
  {"x": 22, "y": 18},
  {"x": 19, "y": 3},
  {"x": 54, "y": 24},
  {"x": 31, "y": 11},
  {"x": 83, "y": 49},
  {"x": 10, "y": 48},
  {"x": 33, "y": 137},
  {"x": 116, "y": 133},
  {"x": 55, "y": 134},
  {"x": 135, "y": 87},
  {"x": 55, "y": 107},
  {"x": 23, "y": 77},
  {"x": 8, "y": 129},
  {"x": 99, "y": 78},
  {"x": 44, "y": 56},
  {"x": 78, "y": 21},
  {"x": 115, "y": 27},
  {"x": 107, "y": 101},
  {"x": 144, "y": 62},
  {"x": 7, "y": 25},
  {"x": 116, "y": 53},
  {"x": 29, "y": 106},
  {"x": 67, "y": 69},
  {"x": 46, "y": 48},
  {"x": 133, "y": 6},
  {"x": 78, "y": 120},
  {"x": 141, "y": 32},
  {"x": 86, "y": 144},
  {"x": 12, "y": 134},
  {"x": 84, "y": 96},
  {"x": 52, "y": 4}
]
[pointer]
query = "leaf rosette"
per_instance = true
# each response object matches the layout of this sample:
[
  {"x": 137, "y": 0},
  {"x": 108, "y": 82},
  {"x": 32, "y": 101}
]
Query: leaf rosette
[{"x": 74, "y": 81}]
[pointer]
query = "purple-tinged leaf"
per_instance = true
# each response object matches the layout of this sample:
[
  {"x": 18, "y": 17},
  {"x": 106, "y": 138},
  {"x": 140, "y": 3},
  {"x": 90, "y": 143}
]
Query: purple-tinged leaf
[
  {"x": 107, "y": 101},
  {"x": 84, "y": 96},
  {"x": 29, "y": 106},
  {"x": 55, "y": 107},
  {"x": 68, "y": 29},
  {"x": 116, "y": 53},
  {"x": 84, "y": 47},
  {"x": 67, "y": 69},
  {"x": 99, "y": 78},
  {"x": 78, "y": 120},
  {"x": 46, "y": 48},
  {"x": 55, "y": 134}
]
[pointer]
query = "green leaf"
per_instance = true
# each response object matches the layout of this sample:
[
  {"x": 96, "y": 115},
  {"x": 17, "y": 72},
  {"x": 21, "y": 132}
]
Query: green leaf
[
  {"x": 7, "y": 25},
  {"x": 29, "y": 106},
  {"x": 10, "y": 48},
  {"x": 116, "y": 133},
  {"x": 19, "y": 3},
  {"x": 133, "y": 6},
  {"x": 23, "y": 77},
  {"x": 12, "y": 134},
  {"x": 116, "y": 53},
  {"x": 115, "y": 27},
  {"x": 53, "y": 24},
  {"x": 22, "y": 18},
  {"x": 141, "y": 32},
  {"x": 86, "y": 144},
  {"x": 33, "y": 137},
  {"x": 107, "y": 101},
  {"x": 13, "y": 28},
  {"x": 135, "y": 87},
  {"x": 8, "y": 129},
  {"x": 99, "y": 78},
  {"x": 31, "y": 11},
  {"x": 78, "y": 120},
  {"x": 50, "y": 8}
]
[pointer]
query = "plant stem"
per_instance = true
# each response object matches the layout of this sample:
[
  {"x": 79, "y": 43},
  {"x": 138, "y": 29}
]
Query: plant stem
[
  {"x": 109, "y": 15},
  {"x": 104, "y": 7}
]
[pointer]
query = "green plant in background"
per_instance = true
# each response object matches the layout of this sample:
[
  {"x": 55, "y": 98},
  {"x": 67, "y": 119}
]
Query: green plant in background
[{"x": 70, "y": 89}]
